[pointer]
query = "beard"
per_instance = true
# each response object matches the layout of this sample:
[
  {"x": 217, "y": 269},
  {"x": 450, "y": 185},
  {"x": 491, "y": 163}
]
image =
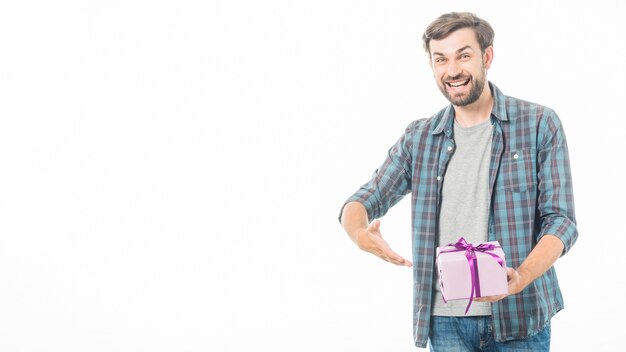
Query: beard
[{"x": 478, "y": 84}]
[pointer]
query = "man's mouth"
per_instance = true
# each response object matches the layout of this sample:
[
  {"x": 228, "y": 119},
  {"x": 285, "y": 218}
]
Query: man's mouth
[{"x": 457, "y": 83}]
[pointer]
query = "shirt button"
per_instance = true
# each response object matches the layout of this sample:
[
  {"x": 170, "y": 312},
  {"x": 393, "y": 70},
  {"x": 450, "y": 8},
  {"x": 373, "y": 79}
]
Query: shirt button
[
  {"x": 438, "y": 178},
  {"x": 449, "y": 148},
  {"x": 515, "y": 156}
]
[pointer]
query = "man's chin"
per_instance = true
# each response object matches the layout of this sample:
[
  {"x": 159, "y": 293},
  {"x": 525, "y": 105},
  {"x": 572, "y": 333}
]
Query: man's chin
[
  {"x": 463, "y": 99},
  {"x": 460, "y": 102},
  {"x": 457, "y": 100}
]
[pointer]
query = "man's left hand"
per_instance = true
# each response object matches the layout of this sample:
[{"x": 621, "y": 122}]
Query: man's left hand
[{"x": 516, "y": 284}]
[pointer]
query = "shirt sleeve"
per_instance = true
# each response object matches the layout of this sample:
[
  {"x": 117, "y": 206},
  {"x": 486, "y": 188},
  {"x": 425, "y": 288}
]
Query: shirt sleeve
[
  {"x": 556, "y": 199},
  {"x": 390, "y": 182}
]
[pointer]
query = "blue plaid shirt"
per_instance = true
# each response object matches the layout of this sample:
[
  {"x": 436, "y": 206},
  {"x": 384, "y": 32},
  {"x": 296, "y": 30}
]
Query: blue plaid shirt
[{"x": 531, "y": 195}]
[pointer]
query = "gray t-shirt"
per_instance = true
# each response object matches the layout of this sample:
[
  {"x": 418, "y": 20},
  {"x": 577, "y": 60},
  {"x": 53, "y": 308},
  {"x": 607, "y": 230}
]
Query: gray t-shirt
[{"x": 465, "y": 203}]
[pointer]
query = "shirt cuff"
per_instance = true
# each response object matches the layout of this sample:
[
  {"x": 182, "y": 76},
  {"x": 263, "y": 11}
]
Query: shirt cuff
[{"x": 563, "y": 228}]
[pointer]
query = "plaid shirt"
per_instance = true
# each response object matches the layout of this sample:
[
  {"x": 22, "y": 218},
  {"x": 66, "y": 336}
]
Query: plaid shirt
[{"x": 531, "y": 195}]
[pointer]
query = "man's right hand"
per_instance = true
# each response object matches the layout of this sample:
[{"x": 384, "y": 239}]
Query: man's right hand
[
  {"x": 371, "y": 240},
  {"x": 367, "y": 236}
]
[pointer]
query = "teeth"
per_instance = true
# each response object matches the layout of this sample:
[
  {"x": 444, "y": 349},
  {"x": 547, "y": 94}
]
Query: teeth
[{"x": 455, "y": 85}]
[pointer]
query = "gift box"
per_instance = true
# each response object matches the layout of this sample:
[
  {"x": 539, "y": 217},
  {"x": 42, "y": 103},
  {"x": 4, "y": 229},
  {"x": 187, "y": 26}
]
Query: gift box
[{"x": 467, "y": 271}]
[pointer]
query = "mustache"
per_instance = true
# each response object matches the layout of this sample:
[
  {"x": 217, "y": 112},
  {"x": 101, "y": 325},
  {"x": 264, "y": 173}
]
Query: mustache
[{"x": 456, "y": 78}]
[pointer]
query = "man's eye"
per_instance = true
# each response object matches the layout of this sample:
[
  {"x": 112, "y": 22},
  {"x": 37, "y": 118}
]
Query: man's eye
[{"x": 465, "y": 56}]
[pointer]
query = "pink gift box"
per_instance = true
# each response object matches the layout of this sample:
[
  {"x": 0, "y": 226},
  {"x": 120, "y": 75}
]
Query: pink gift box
[{"x": 455, "y": 274}]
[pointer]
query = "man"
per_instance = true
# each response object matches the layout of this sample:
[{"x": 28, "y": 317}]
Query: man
[{"x": 487, "y": 167}]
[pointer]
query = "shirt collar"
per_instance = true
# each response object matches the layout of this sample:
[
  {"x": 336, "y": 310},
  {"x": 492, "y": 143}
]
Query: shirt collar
[{"x": 498, "y": 111}]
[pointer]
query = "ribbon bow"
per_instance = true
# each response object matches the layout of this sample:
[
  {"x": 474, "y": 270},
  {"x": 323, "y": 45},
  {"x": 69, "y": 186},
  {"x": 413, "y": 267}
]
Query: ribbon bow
[{"x": 470, "y": 254}]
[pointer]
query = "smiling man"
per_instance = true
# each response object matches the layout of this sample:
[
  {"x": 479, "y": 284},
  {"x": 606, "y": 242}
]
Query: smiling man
[{"x": 488, "y": 167}]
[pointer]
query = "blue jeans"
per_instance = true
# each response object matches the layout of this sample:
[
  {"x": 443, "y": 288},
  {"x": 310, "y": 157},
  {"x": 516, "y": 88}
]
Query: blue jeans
[{"x": 460, "y": 334}]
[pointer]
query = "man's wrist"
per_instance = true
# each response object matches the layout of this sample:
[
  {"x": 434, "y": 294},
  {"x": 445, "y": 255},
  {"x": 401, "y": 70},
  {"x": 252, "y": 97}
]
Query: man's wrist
[
  {"x": 362, "y": 238},
  {"x": 525, "y": 278}
]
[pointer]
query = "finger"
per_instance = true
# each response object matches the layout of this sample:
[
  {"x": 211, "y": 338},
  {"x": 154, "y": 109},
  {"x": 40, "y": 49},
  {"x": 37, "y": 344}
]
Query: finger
[
  {"x": 509, "y": 274},
  {"x": 512, "y": 274},
  {"x": 490, "y": 299},
  {"x": 395, "y": 257},
  {"x": 398, "y": 260},
  {"x": 381, "y": 248},
  {"x": 484, "y": 299},
  {"x": 375, "y": 225},
  {"x": 403, "y": 262}
]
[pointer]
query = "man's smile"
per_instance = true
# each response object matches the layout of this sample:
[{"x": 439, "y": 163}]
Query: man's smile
[{"x": 458, "y": 83}]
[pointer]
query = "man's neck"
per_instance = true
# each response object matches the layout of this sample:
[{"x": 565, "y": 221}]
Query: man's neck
[{"x": 476, "y": 112}]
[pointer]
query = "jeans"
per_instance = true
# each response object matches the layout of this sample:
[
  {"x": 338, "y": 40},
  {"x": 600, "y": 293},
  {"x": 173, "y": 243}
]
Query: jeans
[{"x": 460, "y": 334}]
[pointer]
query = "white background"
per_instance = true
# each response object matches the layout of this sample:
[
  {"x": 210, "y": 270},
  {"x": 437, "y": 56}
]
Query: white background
[{"x": 171, "y": 171}]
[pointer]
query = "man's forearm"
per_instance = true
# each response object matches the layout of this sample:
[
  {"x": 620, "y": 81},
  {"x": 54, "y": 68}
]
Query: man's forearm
[
  {"x": 354, "y": 218},
  {"x": 541, "y": 258}
]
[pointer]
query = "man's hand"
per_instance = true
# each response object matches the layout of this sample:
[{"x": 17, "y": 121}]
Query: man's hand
[
  {"x": 516, "y": 285},
  {"x": 367, "y": 236},
  {"x": 540, "y": 259},
  {"x": 371, "y": 240}
]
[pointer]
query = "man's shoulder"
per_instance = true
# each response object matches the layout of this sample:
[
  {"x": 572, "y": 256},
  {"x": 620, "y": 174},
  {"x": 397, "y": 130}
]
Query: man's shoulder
[
  {"x": 510, "y": 108},
  {"x": 520, "y": 108},
  {"x": 427, "y": 125},
  {"x": 527, "y": 118}
]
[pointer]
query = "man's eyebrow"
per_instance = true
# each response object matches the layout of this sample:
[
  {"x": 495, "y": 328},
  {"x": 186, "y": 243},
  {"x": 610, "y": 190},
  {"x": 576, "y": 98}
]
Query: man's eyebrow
[
  {"x": 458, "y": 51},
  {"x": 464, "y": 48}
]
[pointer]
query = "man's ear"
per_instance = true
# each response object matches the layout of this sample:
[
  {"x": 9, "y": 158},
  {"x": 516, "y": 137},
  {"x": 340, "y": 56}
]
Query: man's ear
[{"x": 488, "y": 57}]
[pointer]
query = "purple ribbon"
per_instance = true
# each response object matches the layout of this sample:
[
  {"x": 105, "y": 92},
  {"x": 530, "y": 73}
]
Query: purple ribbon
[{"x": 470, "y": 254}]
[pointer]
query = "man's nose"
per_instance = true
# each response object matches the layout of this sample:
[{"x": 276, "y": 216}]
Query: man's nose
[{"x": 453, "y": 69}]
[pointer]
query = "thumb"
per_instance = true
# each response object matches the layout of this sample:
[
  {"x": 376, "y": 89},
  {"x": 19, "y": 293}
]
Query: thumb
[
  {"x": 375, "y": 225},
  {"x": 510, "y": 273}
]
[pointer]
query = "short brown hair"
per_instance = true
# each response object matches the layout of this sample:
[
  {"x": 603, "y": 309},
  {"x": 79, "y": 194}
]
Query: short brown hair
[{"x": 450, "y": 22}]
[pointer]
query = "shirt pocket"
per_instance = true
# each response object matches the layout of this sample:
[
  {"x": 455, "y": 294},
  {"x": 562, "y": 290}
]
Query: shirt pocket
[{"x": 518, "y": 170}]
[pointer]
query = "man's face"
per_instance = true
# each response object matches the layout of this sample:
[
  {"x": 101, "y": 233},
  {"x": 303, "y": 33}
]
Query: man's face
[{"x": 459, "y": 66}]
